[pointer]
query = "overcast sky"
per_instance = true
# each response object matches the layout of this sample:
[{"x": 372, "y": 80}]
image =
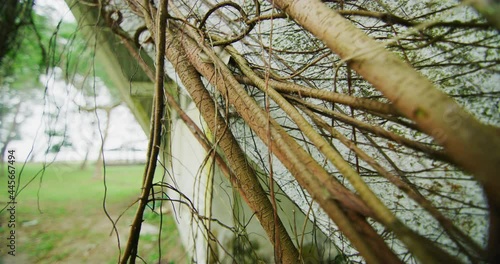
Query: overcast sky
[{"x": 55, "y": 9}]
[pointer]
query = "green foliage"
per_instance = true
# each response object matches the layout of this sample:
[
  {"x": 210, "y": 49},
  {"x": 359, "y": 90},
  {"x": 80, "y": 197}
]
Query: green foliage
[
  {"x": 25, "y": 62},
  {"x": 13, "y": 16},
  {"x": 20, "y": 71},
  {"x": 41, "y": 47},
  {"x": 55, "y": 148}
]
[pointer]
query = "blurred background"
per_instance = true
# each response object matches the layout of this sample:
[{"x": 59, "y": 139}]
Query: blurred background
[{"x": 79, "y": 152}]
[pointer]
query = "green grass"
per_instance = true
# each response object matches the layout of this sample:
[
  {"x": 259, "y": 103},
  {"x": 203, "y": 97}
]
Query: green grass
[
  {"x": 66, "y": 182},
  {"x": 44, "y": 243},
  {"x": 71, "y": 224}
]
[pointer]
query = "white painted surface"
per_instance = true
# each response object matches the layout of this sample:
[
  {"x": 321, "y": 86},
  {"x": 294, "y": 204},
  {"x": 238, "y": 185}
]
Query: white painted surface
[{"x": 191, "y": 177}]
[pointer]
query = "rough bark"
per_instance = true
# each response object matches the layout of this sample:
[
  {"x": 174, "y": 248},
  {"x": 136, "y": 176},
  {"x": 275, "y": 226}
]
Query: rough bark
[
  {"x": 414, "y": 242},
  {"x": 312, "y": 176},
  {"x": 246, "y": 181},
  {"x": 471, "y": 144}
]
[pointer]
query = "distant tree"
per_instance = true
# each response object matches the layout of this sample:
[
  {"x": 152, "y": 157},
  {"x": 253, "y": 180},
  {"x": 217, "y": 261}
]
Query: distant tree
[
  {"x": 22, "y": 60},
  {"x": 14, "y": 15},
  {"x": 35, "y": 45},
  {"x": 107, "y": 109}
]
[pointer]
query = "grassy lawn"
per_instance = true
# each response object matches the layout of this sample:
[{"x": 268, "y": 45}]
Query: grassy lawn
[{"x": 60, "y": 217}]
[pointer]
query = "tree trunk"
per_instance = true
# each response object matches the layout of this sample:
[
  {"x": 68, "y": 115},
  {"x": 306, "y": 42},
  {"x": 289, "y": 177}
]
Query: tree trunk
[
  {"x": 10, "y": 135},
  {"x": 98, "y": 171},
  {"x": 312, "y": 176},
  {"x": 246, "y": 181}
]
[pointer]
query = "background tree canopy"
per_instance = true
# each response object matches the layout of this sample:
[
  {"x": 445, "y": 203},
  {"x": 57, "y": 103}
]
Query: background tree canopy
[
  {"x": 378, "y": 118},
  {"x": 36, "y": 49}
]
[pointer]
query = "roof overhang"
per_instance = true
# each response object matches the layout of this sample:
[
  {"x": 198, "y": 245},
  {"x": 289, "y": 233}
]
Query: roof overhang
[{"x": 123, "y": 71}]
